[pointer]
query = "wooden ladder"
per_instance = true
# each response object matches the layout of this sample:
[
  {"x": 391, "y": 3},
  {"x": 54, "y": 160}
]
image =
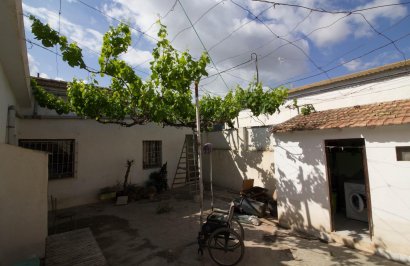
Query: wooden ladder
[{"x": 187, "y": 170}]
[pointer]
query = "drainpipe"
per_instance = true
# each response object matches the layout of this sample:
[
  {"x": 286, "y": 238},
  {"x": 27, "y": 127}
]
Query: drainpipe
[{"x": 11, "y": 125}]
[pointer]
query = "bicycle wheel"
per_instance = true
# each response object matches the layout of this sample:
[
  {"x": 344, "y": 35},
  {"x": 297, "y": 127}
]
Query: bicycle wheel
[
  {"x": 237, "y": 227},
  {"x": 225, "y": 246}
]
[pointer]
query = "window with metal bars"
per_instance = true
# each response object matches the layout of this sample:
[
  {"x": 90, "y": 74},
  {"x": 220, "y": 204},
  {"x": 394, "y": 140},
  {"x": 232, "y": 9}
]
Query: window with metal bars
[
  {"x": 151, "y": 154},
  {"x": 60, "y": 155}
]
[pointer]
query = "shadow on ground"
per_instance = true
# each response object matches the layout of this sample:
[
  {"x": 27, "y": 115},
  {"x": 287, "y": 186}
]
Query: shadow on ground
[{"x": 137, "y": 234}]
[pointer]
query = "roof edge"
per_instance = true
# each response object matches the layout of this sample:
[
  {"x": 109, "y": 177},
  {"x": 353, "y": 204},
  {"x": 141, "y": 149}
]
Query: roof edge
[{"x": 360, "y": 74}]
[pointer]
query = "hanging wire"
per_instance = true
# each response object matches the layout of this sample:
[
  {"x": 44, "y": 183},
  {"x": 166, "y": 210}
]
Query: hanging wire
[
  {"x": 321, "y": 10},
  {"x": 203, "y": 45},
  {"x": 196, "y": 21}
]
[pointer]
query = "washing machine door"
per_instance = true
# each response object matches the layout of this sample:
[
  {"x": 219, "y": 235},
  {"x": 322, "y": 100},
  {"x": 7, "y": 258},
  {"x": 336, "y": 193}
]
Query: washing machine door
[{"x": 357, "y": 202}]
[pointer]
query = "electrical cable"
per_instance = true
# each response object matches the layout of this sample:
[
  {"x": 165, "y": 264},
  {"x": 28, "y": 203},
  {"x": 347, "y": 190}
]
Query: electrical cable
[
  {"x": 287, "y": 41},
  {"x": 203, "y": 45},
  {"x": 321, "y": 10},
  {"x": 355, "y": 58},
  {"x": 196, "y": 21},
  {"x": 238, "y": 28}
]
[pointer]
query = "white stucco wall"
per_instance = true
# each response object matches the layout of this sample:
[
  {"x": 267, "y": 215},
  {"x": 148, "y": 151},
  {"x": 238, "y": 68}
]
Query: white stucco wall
[
  {"x": 101, "y": 154},
  {"x": 342, "y": 95},
  {"x": 23, "y": 204},
  {"x": 238, "y": 154},
  {"x": 248, "y": 150},
  {"x": 303, "y": 193},
  {"x": 6, "y": 99}
]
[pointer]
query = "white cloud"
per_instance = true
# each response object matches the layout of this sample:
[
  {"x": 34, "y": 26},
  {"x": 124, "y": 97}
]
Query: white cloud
[
  {"x": 214, "y": 27},
  {"x": 278, "y": 59},
  {"x": 227, "y": 17},
  {"x": 359, "y": 64},
  {"x": 136, "y": 57},
  {"x": 34, "y": 67},
  {"x": 85, "y": 37},
  {"x": 354, "y": 65}
]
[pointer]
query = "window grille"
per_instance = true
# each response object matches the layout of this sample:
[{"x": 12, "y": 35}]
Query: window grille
[
  {"x": 152, "y": 154},
  {"x": 60, "y": 155}
]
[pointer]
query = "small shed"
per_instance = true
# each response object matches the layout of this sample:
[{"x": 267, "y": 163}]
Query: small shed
[{"x": 347, "y": 170}]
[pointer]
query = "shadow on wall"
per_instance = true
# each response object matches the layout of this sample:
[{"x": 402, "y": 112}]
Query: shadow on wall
[
  {"x": 303, "y": 196},
  {"x": 233, "y": 161}
]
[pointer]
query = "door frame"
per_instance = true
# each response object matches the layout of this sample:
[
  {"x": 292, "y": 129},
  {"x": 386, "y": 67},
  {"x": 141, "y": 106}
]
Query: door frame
[{"x": 366, "y": 182}]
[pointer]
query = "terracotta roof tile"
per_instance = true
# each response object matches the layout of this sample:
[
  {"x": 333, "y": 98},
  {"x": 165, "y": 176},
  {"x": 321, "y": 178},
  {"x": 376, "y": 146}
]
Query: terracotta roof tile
[
  {"x": 406, "y": 119},
  {"x": 51, "y": 83},
  {"x": 377, "y": 114}
]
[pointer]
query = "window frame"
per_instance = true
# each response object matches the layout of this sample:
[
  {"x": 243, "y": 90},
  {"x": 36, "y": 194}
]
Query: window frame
[
  {"x": 399, "y": 151},
  {"x": 147, "y": 159},
  {"x": 68, "y": 164}
]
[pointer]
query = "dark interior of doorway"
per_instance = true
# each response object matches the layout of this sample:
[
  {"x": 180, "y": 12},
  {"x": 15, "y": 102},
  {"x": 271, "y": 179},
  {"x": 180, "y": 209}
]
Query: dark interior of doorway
[{"x": 345, "y": 164}]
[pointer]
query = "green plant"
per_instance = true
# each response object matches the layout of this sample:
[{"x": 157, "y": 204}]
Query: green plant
[
  {"x": 155, "y": 180},
  {"x": 307, "y": 109},
  {"x": 164, "y": 98}
]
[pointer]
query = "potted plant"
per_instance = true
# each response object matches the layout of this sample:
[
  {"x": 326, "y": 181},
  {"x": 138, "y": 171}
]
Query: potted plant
[{"x": 108, "y": 193}]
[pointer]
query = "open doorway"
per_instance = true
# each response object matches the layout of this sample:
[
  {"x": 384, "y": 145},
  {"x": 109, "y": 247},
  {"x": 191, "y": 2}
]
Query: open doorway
[{"x": 348, "y": 186}]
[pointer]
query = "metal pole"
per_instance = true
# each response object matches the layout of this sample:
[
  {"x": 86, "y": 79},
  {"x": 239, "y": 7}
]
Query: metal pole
[
  {"x": 208, "y": 150},
  {"x": 256, "y": 63},
  {"x": 212, "y": 190},
  {"x": 198, "y": 132}
]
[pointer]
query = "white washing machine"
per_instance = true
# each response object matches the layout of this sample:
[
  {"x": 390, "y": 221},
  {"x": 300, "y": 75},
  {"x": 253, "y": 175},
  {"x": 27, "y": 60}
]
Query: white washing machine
[{"x": 356, "y": 202}]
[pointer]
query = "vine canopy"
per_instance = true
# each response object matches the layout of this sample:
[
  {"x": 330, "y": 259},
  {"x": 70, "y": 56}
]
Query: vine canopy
[{"x": 164, "y": 97}]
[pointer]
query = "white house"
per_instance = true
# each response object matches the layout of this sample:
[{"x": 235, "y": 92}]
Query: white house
[
  {"x": 23, "y": 173},
  {"x": 346, "y": 170},
  {"x": 88, "y": 156},
  {"x": 247, "y": 150},
  {"x": 343, "y": 169}
]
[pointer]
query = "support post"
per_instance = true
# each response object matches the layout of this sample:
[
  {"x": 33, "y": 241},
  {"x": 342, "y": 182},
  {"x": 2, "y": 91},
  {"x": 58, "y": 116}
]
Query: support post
[{"x": 199, "y": 149}]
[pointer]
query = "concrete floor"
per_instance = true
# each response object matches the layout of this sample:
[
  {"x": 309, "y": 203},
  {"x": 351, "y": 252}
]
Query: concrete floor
[{"x": 135, "y": 234}]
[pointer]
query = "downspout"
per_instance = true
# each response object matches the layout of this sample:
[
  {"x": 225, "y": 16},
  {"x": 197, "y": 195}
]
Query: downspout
[{"x": 11, "y": 125}]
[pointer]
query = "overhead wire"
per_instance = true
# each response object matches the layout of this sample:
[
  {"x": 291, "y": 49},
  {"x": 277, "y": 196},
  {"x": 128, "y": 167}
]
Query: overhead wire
[
  {"x": 305, "y": 37},
  {"x": 366, "y": 43},
  {"x": 267, "y": 43},
  {"x": 60, "y": 55},
  {"x": 170, "y": 10},
  {"x": 381, "y": 34},
  {"x": 322, "y": 10},
  {"x": 238, "y": 28},
  {"x": 118, "y": 20},
  {"x": 203, "y": 45},
  {"x": 276, "y": 37},
  {"x": 152, "y": 25},
  {"x": 346, "y": 62},
  {"x": 196, "y": 21},
  {"x": 298, "y": 24},
  {"x": 230, "y": 68},
  {"x": 281, "y": 38},
  {"x": 391, "y": 41},
  {"x": 339, "y": 57}
]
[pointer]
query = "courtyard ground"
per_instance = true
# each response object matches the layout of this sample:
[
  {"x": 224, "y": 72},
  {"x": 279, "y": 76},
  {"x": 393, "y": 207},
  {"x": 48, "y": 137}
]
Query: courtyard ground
[{"x": 163, "y": 232}]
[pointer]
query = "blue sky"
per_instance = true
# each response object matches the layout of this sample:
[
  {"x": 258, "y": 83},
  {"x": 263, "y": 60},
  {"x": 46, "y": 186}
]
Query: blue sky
[{"x": 309, "y": 43}]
